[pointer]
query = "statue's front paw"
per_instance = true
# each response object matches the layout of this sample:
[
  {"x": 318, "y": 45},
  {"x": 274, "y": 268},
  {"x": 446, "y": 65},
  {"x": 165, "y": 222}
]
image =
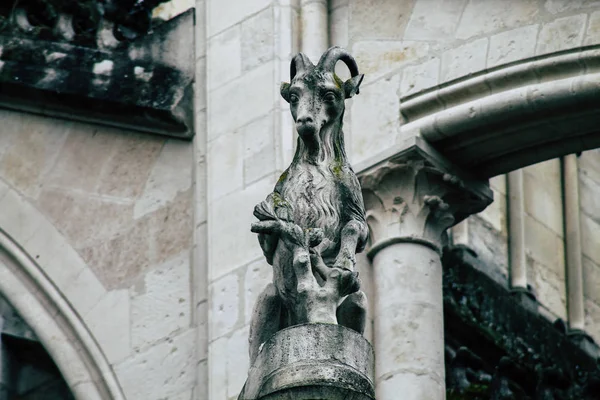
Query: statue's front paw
[{"x": 347, "y": 281}]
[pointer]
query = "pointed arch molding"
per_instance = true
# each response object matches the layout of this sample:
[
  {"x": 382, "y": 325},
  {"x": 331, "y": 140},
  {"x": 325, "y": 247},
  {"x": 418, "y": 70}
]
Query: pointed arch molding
[
  {"x": 505, "y": 118},
  {"x": 34, "y": 293}
]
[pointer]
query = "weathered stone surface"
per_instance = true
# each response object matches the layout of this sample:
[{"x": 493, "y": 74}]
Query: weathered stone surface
[
  {"x": 84, "y": 152},
  {"x": 233, "y": 211},
  {"x": 419, "y": 77},
  {"x": 170, "y": 175},
  {"x": 118, "y": 261},
  {"x": 339, "y": 29},
  {"x": 561, "y": 34},
  {"x": 378, "y": 58},
  {"x": 248, "y": 104},
  {"x": 225, "y": 306},
  {"x": 257, "y": 39},
  {"x": 545, "y": 246},
  {"x": 434, "y": 20},
  {"x": 310, "y": 361},
  {"x": 548, "y": 287},
  {"x": 490, "y": 245},
  {"x": 258, "y": 276},
  {"x": 109, "y": 320},
  {"x": 85, "y": 290},
  {"x": 31, "y": 145},
  {"x": 366, "y": 24},
  {"x": 259, "y": 149},
  {"x": 172, "y": 227},
  {"x": 134, "y": 85},
  {"x": 590, "y": 230},
  {"x": 588, "y": 189},
  {"x": 127, "y": 170},
  {"x": 464, "y": 60},
  {"x": 592, "y": 35},
  {"x": 591, "y": 280},
  {"x": 512, "y": 45},
  {"x": 225, "y": 62},
  {"x": 159, "y": 306},
  {"x": 559, "y": 6},
  {"x": 413, "y": 387},
  {"x": 172, "y": 8},
  {"x": 543, "y": 194},
  {"x": 592, "y": 319},
  {"x": 225, "y": 13},
  {"x": 162, "y": 371},
  {"x": 237, "y": 362},
  {"x": 375, "y": 120},
  {"x": 226, "y": 166},
  {"x": 74, "y": 214},
  {"x": 489, "y": 15},
  {"x": 495, "y": 213},
  {"x": 217, "y": 378}
]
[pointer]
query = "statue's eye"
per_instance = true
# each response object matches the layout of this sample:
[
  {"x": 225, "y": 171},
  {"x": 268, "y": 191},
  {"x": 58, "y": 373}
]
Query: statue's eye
[
  {"x": 329, "y": 97},
  {"x": 294, "y": 98}
]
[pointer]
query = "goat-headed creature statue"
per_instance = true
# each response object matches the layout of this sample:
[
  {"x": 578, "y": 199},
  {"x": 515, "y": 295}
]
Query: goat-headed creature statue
[{"x": 313, "y": 224}]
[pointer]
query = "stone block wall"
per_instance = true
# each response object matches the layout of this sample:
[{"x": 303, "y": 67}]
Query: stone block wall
[
  {"x": 149, "y": 238},
  {"x": 249, "y": 46},
  {"x": 107, "y": 214},
  {"x": 544, "y": 235},
  {"x": 589, "y": 187},
  {"x": 407, "y": 46}
]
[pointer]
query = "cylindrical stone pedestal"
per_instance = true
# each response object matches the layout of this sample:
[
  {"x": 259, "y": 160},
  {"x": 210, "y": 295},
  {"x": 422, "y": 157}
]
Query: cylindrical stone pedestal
[
  {"x": 312, "y": 361},
  {"x": 408, "y": 331}
]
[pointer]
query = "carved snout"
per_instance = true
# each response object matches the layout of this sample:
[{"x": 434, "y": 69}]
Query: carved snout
[{"x": 305, "y": 125}]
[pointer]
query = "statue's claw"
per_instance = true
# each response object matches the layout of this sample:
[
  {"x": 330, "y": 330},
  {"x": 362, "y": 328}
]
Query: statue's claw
[{"x": 348, "y": 282}]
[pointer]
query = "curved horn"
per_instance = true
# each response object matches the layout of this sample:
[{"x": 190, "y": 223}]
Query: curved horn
[
  {"x": 335, "y": 54},
  {"x": 300, "y": 63}
]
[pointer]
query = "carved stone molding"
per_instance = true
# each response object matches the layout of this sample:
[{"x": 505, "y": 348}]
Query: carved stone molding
[
  {"x": 505, "y": 118},
  {"x": 415, "y": 196},
  {"x": 99, "y": 61},
  {"x": 81, "y": 22}
]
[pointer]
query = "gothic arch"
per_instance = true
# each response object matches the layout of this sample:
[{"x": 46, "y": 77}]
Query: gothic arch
[
  {"x": 45, "y": 308},
  {"x": 517, "y": 114}
]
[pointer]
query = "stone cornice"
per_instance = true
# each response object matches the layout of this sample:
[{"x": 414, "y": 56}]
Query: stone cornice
[
  {"x": 93, "y": 23},
  {"x": 130, "y": 79},
  {"x": 497, "y": 346},
  {"x": 413, "y": 195},
  {"x": 513, "y": 115}
]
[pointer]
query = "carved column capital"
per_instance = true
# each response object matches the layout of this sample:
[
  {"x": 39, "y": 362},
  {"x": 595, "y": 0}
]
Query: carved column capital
[{"x": 415, "y": 195}]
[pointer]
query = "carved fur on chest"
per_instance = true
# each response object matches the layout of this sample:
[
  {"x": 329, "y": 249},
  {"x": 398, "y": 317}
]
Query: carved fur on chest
[{"x": 314, "y": 198}]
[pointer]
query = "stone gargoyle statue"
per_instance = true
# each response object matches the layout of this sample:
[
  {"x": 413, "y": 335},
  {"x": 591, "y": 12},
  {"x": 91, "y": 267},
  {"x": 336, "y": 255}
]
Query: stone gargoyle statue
[{"x": 313, "y": 224}]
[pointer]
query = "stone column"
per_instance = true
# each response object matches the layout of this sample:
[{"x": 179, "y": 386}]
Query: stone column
[{"x": 411, "y": 199}]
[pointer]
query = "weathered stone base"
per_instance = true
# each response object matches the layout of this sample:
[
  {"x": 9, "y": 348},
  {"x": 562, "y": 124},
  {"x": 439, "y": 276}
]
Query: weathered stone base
[{"x": 312, "y": 361}]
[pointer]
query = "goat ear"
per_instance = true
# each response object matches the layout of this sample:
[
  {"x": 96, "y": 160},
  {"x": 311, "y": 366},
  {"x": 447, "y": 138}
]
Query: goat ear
[
  {"x": 352, "y": 85},
  {"x": 285, "y": 91}
]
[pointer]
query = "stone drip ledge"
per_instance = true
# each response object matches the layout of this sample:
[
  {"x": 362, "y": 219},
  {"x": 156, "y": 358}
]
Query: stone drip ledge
[
  {"x": 145, "y": 84},
  {"x": 94, "y": 23},
  {"x": 498, "y": 345},
  {"x": 514, "y": 115}
]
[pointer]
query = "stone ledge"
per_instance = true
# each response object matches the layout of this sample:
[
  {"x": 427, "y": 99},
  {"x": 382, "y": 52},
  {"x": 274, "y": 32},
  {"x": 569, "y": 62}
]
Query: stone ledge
[
  {"x": 312, "y": 361},
  {"x": 145, "y": 84},
  {"x": 513, "y": 115},
  {"x": 496, "y": 345}
]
